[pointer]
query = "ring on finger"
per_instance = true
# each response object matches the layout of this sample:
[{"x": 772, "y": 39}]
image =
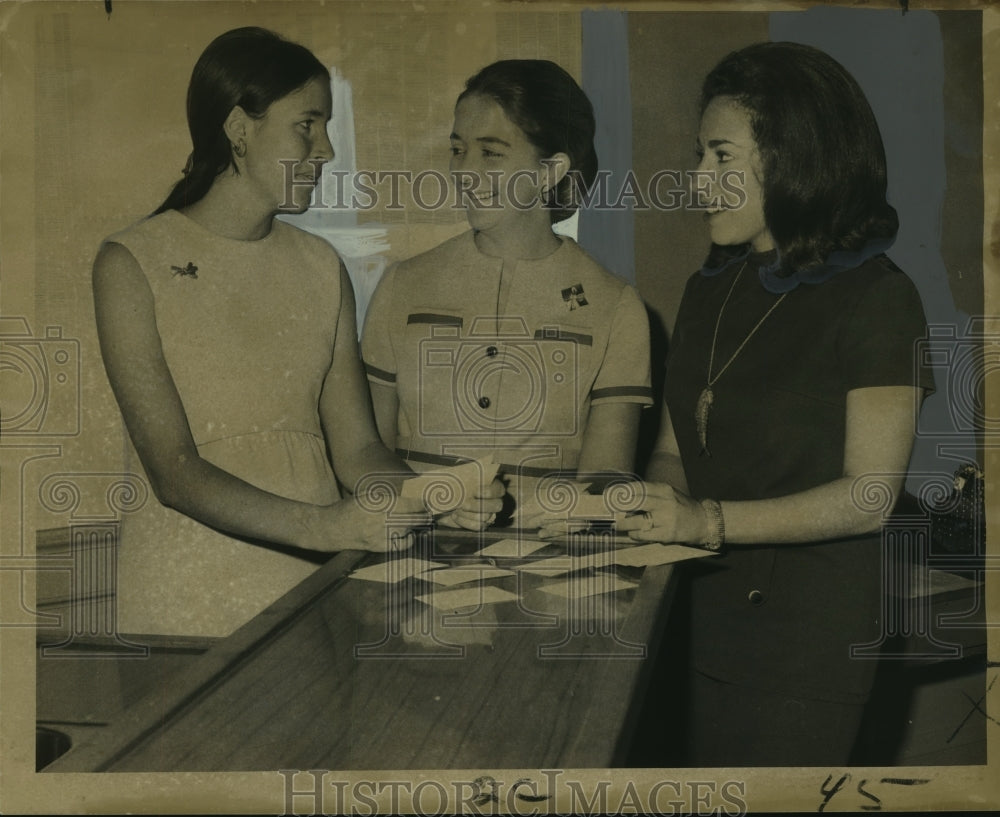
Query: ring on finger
[{"x": 648, "y": 520}]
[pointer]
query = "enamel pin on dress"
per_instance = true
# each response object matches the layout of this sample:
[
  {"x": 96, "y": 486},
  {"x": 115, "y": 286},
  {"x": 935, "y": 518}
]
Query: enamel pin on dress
[
  {"x": 189, "y": 271},
  {"x": 574, "y": 296},
  {"x": 707, "y": 396}
]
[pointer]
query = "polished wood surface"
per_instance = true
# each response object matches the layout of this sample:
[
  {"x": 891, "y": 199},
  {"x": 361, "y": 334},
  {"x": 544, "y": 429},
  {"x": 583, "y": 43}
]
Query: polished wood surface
[{"x": 349, "y": 674}]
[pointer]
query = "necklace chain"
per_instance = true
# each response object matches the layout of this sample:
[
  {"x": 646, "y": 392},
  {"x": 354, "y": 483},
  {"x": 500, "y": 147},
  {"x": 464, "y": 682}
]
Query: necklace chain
[{"x": 707, "y": 396}]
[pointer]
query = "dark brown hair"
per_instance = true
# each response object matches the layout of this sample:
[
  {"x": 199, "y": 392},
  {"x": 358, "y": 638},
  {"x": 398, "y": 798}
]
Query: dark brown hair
[
  {"x": 554, "y": 113},
  {"x": 823, "y": 162},
  {"x": 247, "y": 67}
]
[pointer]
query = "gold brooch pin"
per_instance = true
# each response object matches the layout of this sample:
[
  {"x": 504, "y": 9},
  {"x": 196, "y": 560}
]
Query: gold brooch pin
[
  {"x": 189, "y": 271},
  {"x": 574, "y": 296}
]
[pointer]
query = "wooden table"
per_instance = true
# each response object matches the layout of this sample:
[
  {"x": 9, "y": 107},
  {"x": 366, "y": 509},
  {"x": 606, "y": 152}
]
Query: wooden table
[{"x": 348, "y": 674}]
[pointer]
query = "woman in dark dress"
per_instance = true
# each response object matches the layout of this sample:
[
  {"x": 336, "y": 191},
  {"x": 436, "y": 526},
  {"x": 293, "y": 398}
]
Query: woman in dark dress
[{"x": 790, "y": 402}]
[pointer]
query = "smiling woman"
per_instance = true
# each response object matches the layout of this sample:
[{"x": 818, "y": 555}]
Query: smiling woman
[
  {"x": 509, "y": 340},
  {"x": 495, "y": 166},
  {"x": 791, "y": 392},
  {"x": 726, "y": 145},
  {"x": 229, "y": 340}
]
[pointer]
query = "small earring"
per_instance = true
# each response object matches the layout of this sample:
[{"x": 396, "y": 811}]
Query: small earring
[{"x": 240, "y": 148}]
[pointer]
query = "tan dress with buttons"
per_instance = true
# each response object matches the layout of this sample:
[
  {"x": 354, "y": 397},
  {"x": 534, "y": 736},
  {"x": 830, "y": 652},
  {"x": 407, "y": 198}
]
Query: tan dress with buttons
[{"x": 506, "y": 359}]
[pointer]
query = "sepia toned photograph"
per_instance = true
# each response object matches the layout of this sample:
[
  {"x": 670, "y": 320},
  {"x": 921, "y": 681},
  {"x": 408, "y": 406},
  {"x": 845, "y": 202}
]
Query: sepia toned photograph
[{"x": 489, "y": 408}]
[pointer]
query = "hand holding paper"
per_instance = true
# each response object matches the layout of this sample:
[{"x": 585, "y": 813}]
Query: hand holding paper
[
  {"x": 667, "y": 515},
  {"x": 549, "y": 497},
  {"x": 479, "y": 511},
  {"x": 366, "y": 524},
  {"x": 462, "y": 496},
  {"x": 587, "y": 510}
]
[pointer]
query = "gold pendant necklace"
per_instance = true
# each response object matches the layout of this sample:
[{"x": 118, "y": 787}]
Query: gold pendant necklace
[{"x": 707, "y": 396}]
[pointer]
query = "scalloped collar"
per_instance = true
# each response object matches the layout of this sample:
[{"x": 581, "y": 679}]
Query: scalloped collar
[{"x": 769, "y": 264}]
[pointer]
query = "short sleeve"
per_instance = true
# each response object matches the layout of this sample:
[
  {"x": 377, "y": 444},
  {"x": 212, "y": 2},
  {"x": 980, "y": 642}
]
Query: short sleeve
[
  {"x": 879, "y": 343},
  {"x": 624, "y": 372},
  {"x": 376, "y": 337}
]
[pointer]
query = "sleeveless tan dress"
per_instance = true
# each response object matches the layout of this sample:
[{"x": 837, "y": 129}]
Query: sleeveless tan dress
[{"x": 248, "y": 331}]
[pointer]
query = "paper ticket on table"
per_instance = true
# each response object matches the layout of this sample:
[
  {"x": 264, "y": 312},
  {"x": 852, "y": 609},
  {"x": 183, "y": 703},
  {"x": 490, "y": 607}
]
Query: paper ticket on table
[
  {"x": 564, "y": 564},
  {"x": 530, "y": 511},
  {"x": 583, "y": 586},
  {"x": 467, "y": 597},
  {"x": 395, "y": 570},
  {"x": 512, "y": 548},
  {"x": 461, "y": 575},
  {"x": 444, "y": 489},
  {"x": 586, "y": 507},
  {"x": 655, "y": 554}
]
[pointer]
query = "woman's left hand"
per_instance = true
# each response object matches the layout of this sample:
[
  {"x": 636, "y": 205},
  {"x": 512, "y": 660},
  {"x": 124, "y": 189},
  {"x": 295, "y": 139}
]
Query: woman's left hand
[
  {"x": 478, "y": 511},
  {"x": 666, "y": 515}
]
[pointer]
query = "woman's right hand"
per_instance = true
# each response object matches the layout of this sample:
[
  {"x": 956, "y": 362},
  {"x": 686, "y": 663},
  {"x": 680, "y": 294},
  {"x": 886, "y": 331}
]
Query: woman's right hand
[
  {"x": 665, "y": 514},
  {"x": 364, "y": 522},
  {"x": 479, "y": 511}
]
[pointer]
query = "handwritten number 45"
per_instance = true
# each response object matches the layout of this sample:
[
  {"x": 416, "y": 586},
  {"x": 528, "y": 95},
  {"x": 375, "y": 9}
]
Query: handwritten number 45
[{"x": 874, "y": 802}]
